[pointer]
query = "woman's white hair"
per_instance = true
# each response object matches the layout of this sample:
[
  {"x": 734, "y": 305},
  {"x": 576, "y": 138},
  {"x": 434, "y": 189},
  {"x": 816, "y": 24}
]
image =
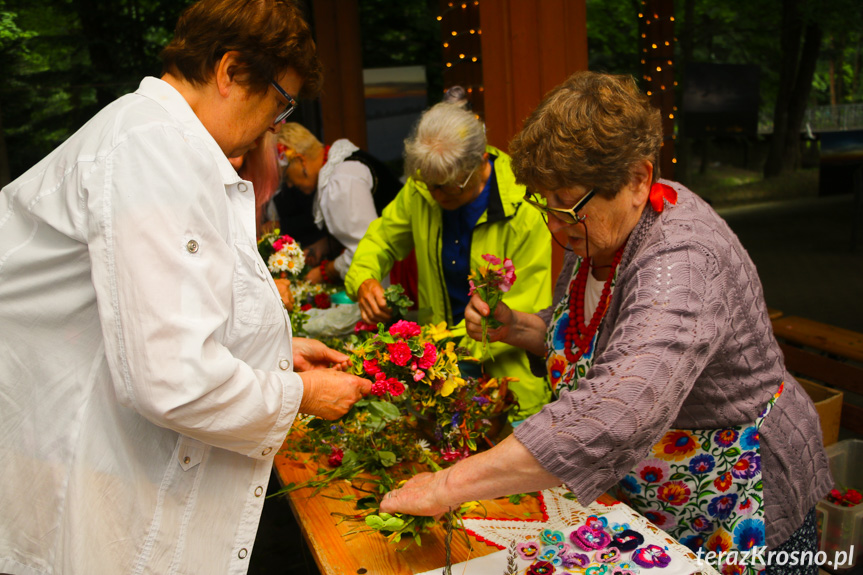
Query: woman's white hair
[{"x": 445, "y": 146}]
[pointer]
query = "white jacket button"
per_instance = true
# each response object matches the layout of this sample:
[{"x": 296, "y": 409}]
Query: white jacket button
[{"x": 284, "y": 364}]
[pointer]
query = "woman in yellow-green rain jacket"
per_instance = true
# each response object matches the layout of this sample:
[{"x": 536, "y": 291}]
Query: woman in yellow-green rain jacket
[{"x": 456, "y": 172}]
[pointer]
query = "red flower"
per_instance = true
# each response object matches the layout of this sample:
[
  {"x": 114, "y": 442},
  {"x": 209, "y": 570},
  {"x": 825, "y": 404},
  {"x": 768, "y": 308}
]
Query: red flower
[
  {"x": 335, "y": 458},
  {"x": 853, "y": 496},
  {"x": 429, "y": 356},
  {"x": 363, "y": 326},
  {"x": 306, "y": 307},
  {"x": 322, "y": 301},
  {"x": 400, "y": 353},
  {"x": 395, "y": 387},
  {"x": 674, "y": 492},
  {"x": 405, "y": 329},
  {"x": 723, "y": 482},
  {"x": 379, "y": 387},
  {"x": 371, "y": 367}
]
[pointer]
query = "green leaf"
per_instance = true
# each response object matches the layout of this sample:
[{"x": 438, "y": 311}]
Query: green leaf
[
  {"x": 733, "y": 452},
  {"x": 677, "y": 476},
  {"x": 387, "y": 458},
  {"x": 374, "y": 522}
]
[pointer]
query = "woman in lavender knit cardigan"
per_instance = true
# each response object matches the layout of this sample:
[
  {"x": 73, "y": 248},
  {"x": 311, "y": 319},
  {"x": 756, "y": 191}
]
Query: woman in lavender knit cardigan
[{"x": 658, "y": 345}]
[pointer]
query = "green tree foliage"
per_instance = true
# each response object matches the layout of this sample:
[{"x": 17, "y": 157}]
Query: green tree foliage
[{"x": 63, "y": 60}]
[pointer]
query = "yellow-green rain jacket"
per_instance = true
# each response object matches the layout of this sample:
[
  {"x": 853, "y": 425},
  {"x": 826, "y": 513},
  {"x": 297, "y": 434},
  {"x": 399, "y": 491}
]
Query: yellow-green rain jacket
[{"x": 509, "y": 228}]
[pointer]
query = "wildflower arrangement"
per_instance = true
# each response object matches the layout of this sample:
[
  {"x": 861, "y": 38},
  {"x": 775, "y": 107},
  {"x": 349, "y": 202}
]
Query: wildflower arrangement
[
  {"x": 491, "y": 282},
  {"x": 420, "y": 411},
  {"x": 282, "y": 254}
]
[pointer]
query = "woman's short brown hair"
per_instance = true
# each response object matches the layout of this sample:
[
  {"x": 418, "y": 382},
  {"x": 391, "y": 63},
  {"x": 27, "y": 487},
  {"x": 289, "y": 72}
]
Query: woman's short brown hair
[
  {"x": 590, "y": 131},
  {"x": 270, "y": 36}
]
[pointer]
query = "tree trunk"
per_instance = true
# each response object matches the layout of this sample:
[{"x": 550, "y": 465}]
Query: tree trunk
[
  {"x": 790, "y": 40},
  {"x": 800, "y": 95}
]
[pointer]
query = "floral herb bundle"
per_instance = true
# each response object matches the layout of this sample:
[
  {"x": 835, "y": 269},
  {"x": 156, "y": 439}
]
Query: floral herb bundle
[
  {"x": 845, "y": 497},
  {"x": 282, "y": 254},
  {"x": 491, "y": 282},
  {"x": 420, "y": 411}
]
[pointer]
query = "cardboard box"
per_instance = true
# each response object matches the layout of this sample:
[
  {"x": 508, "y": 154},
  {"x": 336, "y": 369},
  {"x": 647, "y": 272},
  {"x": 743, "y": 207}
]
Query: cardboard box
[
  {"x": 828, "y": 403},
  {"x": 841, "y": 528}
]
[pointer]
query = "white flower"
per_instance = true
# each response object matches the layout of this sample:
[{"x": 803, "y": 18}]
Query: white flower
[
  {"x": 422, "y": 445},
  {"x": 277, "y": 263}
]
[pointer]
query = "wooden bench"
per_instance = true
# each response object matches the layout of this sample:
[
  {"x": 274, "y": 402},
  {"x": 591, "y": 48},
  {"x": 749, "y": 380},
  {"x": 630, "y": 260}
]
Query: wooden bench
[{"x": 828, "y": 354}]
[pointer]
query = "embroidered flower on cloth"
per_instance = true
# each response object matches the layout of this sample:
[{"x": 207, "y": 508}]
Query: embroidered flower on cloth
[
  {"x": 651, "y": 556},
  {"x": 540, "y": 568},
  {"x": 653, "y": 471},
  {"x": 674, "y": 493},
  {"x": 676, "y": 445}
]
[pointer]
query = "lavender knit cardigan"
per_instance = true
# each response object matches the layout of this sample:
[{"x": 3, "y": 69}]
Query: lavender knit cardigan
[{"x": 686, "y": 343}]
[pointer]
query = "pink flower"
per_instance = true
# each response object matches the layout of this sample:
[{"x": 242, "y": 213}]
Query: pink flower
[
  {"x": 363, "y": 326},
  {"x": 371, "y": 367},
  {"x": 509, "y": 275},
  {"x": 395, "y": 387},
  {"x": 491, "y": 258},
  {"x": 400, "y": 353},
  {"x": 278, "y": 244},
  {"x": 405, "y": 329},
  {"x": 419, "y": 375},
  {"x": 472, "y": 289},
  {"x": 429, "y": 356}
]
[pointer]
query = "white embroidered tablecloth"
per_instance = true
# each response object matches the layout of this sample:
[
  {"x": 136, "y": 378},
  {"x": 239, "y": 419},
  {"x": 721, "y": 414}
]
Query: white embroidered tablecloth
[{"x": 563, "y": 516}]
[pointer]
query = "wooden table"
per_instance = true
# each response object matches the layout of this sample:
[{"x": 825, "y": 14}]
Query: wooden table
[{"x": 338, "y": 553}]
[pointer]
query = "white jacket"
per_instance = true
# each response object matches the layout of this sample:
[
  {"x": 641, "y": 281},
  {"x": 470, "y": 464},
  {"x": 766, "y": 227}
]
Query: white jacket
[{"x": 145, "y": 360}]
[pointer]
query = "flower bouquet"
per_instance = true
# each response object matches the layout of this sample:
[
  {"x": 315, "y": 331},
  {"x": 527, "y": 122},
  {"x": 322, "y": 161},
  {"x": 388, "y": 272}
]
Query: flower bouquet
[
  {"x": 282, "y": 254},
  {"x": 491, "y": 282},
  {"x": 420, "y": 411}
]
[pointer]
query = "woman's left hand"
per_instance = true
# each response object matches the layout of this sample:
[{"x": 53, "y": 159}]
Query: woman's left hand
[
  {"x": 419, "y": 496},
  {"x": 283, "y": 285},
  {"x": 311, "y": 354}
]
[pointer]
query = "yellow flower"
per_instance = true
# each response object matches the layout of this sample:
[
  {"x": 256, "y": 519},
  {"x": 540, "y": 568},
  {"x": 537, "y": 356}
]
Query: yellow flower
[
  {"x": 450, "y": 385},
  {"x": 438, "y": 332}
]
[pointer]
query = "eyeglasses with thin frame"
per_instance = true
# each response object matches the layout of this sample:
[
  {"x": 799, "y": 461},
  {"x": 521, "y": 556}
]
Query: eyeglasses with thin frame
[
  {"x": 289, "y": 108},
  {"x": 566, "y": 215},
  {"x": 460, "y": 189}
]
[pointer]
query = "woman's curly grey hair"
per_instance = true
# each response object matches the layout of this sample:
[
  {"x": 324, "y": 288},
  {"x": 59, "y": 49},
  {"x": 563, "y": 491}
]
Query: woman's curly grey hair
[
  {"x": 592, "y": 131},
  {"x": 445, "y": 146}
]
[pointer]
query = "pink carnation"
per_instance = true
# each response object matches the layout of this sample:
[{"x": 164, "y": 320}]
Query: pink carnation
[
  {"x": 491, "y": 258},
  {"x": 429, "y": 356},
  {"x": 395, "y": 387},
  {"x": 363, "y": 326},
  {"x": 400, "y": 353},
  {"x": 371, "y": 367},
  {"x": 405, "y": 329}
]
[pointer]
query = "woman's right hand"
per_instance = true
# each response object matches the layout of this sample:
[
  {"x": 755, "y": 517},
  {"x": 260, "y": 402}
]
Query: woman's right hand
[
  {"x": 329, "y": 394},
  {"x": 477, "y": 309},
  {"x": 373, "y": 304}
]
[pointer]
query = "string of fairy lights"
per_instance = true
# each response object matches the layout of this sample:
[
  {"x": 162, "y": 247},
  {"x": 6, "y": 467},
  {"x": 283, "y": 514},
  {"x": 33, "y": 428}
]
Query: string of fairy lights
[
  {"x": 461, "y": 41},
  {"x": 656, "y": 28}
]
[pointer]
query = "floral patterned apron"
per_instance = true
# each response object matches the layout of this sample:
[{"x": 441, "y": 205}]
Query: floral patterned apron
[{"x": 702, "y": 486}]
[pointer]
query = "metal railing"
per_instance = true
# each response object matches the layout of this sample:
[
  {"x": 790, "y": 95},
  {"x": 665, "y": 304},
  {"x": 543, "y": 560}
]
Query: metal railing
[{"x": 822, "y": 119}]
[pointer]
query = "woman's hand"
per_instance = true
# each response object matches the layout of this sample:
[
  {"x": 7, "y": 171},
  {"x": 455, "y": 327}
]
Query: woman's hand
[
  {"x": 315, "y": 276},
  {"x": 419, "y": 496},
  {"x": 311, "y": 354},
  {"x": 329, "y": 394},
  {"x": 316, "y": 252},
  {"x": 283, "y": 285},
  {"x": 477, "y": 309},
  {"x": 373, "y": 304}
]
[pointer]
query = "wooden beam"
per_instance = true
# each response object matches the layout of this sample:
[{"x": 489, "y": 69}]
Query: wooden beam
[{"x": 337, "y": 35}]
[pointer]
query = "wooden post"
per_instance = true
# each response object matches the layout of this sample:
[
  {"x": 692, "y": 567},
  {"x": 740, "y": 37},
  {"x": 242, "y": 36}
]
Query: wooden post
[
  {"x": 528, "y": 48},
  {"x": 337, "y": 35}
]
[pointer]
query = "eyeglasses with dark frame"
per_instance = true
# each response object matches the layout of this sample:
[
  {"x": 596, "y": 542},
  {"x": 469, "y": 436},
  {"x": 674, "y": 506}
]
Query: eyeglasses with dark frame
[
  {"x": 460, "y": 188},
  {"x": 289, "y": 108},
  {"x": 566, "y": 215}
]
